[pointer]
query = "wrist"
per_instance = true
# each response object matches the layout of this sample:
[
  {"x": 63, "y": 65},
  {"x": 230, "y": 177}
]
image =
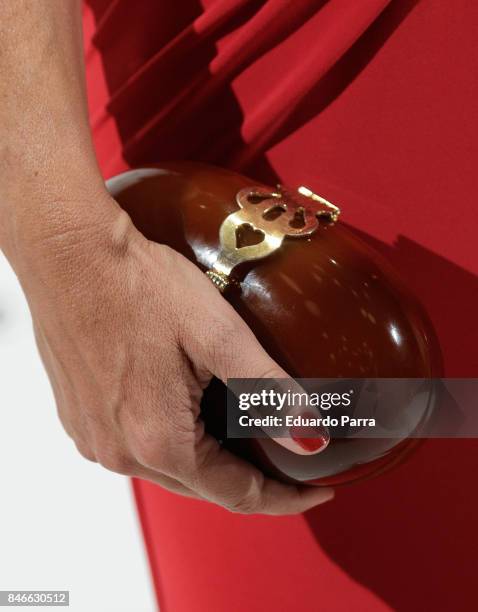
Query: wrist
[
  {"x": 43, "y": 230},
  {"x": 33, "y": 186}
]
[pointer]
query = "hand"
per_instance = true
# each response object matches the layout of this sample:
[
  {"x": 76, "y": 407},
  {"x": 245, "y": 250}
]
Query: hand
[{"x": 131, "y": 333}]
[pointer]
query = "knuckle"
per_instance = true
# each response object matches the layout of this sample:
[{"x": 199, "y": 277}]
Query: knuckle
[
  {"x": 248, "y": 504},
  {"x": 149, "y": 452},
  {"x": 85, "y": 451},
  {"x": 115, "y": 461},
  {"x": 158, "y": 442},
  {"x": 244, "y": 498}
]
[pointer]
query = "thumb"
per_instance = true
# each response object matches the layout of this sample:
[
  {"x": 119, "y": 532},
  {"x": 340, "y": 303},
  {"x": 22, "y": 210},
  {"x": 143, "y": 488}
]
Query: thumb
[{"x": 231, "y": 351}]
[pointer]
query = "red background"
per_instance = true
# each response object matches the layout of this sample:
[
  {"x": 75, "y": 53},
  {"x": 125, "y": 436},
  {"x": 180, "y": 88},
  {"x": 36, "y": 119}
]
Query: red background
[{"x": 372, "y": 104}]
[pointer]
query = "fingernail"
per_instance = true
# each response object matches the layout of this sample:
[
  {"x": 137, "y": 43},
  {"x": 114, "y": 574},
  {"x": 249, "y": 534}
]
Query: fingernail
[
  {"x": 309, "y": 438},
  {"x": 312, "y": 445}
]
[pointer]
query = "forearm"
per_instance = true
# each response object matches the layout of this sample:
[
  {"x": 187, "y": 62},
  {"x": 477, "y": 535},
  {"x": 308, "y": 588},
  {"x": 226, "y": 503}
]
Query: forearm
[{"x": 47, "y": 163}]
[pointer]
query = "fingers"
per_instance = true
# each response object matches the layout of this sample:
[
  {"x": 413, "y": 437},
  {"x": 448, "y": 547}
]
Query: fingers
[
  {"x": 221, "y": 477},
  {"x": 228, "y": 349},
  {"x": 209, "y": 472},
  {"x": 205, "y": 469},
  {"x": 120, "y": 464},
  {"x": 134, "y": 406},
  {"x": 171, "y": 484}
]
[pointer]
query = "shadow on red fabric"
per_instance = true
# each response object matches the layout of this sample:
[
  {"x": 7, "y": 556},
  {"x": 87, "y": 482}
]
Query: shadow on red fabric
[{"x": 373, "y": 104}]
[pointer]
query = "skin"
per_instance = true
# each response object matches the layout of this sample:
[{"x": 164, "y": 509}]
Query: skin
[{"x": 129, "y": 331}]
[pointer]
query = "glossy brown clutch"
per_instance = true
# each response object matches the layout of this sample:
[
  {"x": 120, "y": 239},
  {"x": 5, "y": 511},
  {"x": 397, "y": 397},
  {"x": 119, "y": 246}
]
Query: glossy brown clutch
[{"x": 322, "y": 303}]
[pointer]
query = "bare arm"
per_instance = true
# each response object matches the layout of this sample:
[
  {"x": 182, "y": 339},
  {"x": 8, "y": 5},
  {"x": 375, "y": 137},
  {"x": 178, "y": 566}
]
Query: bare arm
[
  {"x": 46, "y": 154},
  {"x": 129, "y": 399}
]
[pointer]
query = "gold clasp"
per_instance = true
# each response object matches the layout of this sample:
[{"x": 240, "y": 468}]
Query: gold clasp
[{"x": 275, "y": 215}]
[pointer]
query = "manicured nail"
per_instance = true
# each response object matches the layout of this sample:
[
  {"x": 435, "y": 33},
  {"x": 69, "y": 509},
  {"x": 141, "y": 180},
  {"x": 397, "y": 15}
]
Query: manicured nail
[
  {"x": 309, "y": 438},
  {"x": 312, "y": 445}
]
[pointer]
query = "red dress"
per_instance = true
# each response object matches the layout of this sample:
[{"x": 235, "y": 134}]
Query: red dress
[{"x": 372, "y": 104}]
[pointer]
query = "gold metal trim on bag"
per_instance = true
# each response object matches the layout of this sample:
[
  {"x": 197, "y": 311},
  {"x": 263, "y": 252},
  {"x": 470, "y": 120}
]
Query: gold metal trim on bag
[{"x": 275, "y": 215}]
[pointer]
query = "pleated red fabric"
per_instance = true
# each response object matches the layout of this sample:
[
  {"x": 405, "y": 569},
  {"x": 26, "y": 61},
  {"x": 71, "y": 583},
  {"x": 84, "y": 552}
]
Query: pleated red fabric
[{"x": 372, "y": 104}]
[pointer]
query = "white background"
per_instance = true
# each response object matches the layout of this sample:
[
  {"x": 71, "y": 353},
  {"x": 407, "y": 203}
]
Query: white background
[{"x": 65, "y": 523}]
